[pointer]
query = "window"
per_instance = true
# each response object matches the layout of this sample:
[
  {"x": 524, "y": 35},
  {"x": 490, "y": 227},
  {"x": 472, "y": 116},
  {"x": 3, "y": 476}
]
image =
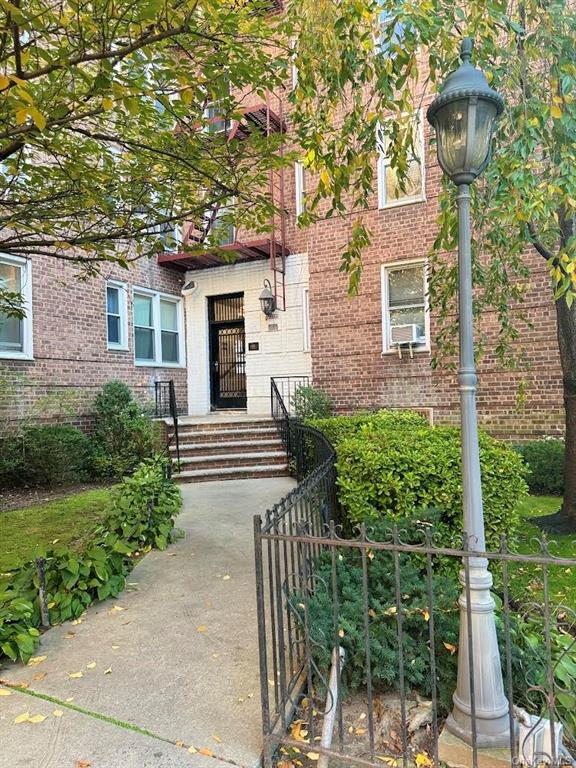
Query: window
[
  {"x": 392, "y": 32},
  {"x": 158, "y": 321},
  {"x": 300, "y": 186},
  {"x": 218, "y": 226},
  {"x": 116, "y": 315},
  {"x": 390, "y": 192},
  {"x": 16, "y": 333},
  {"x": 306, "y": 319},
  {"x": 404, "y": 306}
]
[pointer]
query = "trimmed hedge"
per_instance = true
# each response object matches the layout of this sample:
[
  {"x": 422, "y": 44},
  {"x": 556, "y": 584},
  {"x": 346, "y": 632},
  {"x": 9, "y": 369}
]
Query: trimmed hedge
[
  {"x": 545, "y": 460},
  {"x": 141, "y": 517},
  {"x": 339, "y": 428},
  {"x": 46, "y": 455},
  {"x": 394, "y": 465}
]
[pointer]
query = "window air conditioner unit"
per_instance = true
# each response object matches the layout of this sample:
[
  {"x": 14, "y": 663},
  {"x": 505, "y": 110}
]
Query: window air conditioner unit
[{"x": 406, "y": 334}]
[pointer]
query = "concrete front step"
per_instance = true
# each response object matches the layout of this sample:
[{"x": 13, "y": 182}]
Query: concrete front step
[
  {"x": 227, "y": 435},
  {"x": 214, "y": 461},
  {"x": 226, "y": 447},
  {"x": 231, "y": 473},
  {"x": 208, "y": 426}
]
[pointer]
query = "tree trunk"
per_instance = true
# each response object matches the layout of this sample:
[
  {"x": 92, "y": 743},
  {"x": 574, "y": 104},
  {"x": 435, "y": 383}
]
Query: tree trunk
[{"x": 566, "y": 322}]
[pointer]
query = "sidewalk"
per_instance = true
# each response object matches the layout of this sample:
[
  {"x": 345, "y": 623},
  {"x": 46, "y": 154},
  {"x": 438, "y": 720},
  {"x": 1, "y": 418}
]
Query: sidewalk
[{"x": 168, "y": 668}]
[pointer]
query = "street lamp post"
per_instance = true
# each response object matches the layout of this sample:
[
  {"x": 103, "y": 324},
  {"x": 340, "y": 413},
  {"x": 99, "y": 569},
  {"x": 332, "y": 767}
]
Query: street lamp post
[{"x": 463, "y": 116}]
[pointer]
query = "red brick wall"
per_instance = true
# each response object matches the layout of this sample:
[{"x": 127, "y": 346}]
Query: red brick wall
[
  {"x": 71, "y": 359},
  {"x": 347, "y": 345}
]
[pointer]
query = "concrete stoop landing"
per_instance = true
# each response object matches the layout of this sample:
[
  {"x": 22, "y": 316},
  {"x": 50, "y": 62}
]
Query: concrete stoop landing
[{"x": 228, "y": 446}]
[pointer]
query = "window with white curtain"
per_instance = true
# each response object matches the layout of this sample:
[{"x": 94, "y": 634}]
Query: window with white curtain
[
  {"x": 16, "y": 332},
  {"x": 390, "y": 191},
  {"x": 158, "y": 329}
]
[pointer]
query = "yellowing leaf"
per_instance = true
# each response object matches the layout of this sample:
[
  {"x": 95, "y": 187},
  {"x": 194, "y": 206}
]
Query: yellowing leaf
[
  {"x": 58, "y": 713},
  {"x": 91, "y": 665},
  {"x": 556, "y": 112},
  {"x": 451, "y": 648},
  {"x": 39, "y": 676},
  {"x": 192, "y": 750},
  {"x": 118, "y": 608},
  {"x": 340, "y": 633},
  {"x": 37, "y": 719},
  {"x": 36, "y": 660},
  {"x": 313, "y": 755},
  {"x": 4, "y": 82},
  {"x": 426, "y": 614},
  {"x": 179, "y": 743},
  {"x": 391, "y": 761},
  {"x": 422, "y": 759},
  {"x": 107, "y": 103},
  {"x": 201, "y": 628},
  {"x": 75, "y": 675},
  {"x": 21, "y": 115},
  {"x": 108, "y": 671},
  {"x": 5, "y": 692},
  {"x": 23, "y": 718},
  {"x": 115, "y": 647},
  {"x": 206, "y": 752}
]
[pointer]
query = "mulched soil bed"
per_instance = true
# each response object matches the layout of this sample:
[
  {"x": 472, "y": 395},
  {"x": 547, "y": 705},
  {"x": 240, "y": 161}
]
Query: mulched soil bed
[{"x": 17, "y": 498}]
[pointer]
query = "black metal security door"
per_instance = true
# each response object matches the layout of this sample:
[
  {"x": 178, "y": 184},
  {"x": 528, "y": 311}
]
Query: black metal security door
[{"x": 227, "y": 351}]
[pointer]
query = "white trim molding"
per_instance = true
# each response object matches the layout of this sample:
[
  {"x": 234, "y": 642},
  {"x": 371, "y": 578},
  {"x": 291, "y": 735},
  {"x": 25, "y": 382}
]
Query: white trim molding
[{"x": 25, "y": 266}]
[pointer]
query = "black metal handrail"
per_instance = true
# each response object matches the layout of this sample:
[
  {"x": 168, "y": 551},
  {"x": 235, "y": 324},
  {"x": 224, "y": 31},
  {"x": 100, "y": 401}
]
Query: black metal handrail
[{"x": 167, "y": 406}]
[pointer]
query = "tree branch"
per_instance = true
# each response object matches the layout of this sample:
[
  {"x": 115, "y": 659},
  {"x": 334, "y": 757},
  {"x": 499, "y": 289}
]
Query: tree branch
[{"x": 542, "y": 250}]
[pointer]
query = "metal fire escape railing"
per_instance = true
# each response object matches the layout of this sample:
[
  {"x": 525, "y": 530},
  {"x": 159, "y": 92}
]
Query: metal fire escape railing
[{"x": 278, "y": 219}]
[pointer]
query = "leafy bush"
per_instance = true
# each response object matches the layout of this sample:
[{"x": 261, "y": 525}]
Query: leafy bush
[
  {"x": 339, "y": 428},
  {"x": 124, "y": 434},
  {"x": 545, "y": 460},
  {"x": 395, "y": 472},
  {"x": 142, "y": 512},
  {"x": 46, "y": 455},
  {"x": 311, "y": 403}
]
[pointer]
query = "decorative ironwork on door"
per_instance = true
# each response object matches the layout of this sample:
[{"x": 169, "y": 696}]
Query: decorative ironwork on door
[{"x": 227, "y": 351}]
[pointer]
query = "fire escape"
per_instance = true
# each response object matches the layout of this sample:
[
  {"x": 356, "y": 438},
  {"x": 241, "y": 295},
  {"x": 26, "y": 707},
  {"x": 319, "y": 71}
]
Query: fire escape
[{"x": 267, "y": 117}]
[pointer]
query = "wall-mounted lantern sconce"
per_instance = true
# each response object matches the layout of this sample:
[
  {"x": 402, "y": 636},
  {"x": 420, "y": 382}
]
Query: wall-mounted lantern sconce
[{"x": 267, "y": 299}]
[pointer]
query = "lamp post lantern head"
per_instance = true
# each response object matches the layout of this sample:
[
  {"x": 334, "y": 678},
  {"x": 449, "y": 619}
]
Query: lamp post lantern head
[
  {"x": 267, "y": 299},
  {"x": 463, "y": 116}
]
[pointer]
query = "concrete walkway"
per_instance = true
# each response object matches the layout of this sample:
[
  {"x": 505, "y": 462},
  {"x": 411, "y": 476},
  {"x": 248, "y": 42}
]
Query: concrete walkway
[{"x": 168, "y": 668}]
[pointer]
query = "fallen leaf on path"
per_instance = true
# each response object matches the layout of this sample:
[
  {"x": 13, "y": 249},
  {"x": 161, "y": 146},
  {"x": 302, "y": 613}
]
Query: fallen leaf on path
[
  {"x": 58, "y": 713},
  {"x": 313, "y": 755},
  {"x": 77, "y": 621},
  {"x": 115, "y": 647},
  {"x": 117, "y": 608},
  {"x": 82, "y": 764},
  {"x": 36, "y": 660},
  {"x": 69, "y": 699},
  {"x": 206, "y": 752},
  {"x": 91, "y": 665},
  {"x": 23, "y": 718},
  {"x": 40, "y": 676},
  {"x": 423, "y": 761},
  {"x": 37, "y": 719},
  {"x": 226, "y": 578},
  {"x": 69, "y": 635},
  {"x": 179, "y": 743},
  {"x": 22, "y": 685},
  {"x": 391, "y": 761},
  {"x": 217, "y": 738},
  {"x": 108, "y": 671},
  {"x": 4, "y": 692},
  {"x": 75, "y": 675},
  {"x": 201, "y": 628},
  {"x": 192, "y": 750}
]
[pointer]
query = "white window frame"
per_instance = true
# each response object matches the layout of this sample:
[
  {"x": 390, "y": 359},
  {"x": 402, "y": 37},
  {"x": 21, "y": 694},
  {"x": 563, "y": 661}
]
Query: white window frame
[
  {"x": 156, "y": 296},
  {"x": 25, "y": 266},
  {"x": 300, "y": 189},
  {"x": 384, "y": 163},
  {"x": 306, "y": 327},
  {"x": 387, "y": 347},
  {"x": 122, "y": 288}
]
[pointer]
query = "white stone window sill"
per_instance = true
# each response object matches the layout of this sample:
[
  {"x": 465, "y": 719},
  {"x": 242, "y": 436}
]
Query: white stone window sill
[{"x": 401, "y": 202}]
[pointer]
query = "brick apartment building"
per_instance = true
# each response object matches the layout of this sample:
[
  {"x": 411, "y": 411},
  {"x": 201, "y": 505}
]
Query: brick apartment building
[{"x": 198, "y": 320}]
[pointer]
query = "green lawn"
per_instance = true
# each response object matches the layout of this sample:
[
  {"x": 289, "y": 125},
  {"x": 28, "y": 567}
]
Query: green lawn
[
  {"x": 67, "y": 521},
  {"x": 527, "y": 581}
]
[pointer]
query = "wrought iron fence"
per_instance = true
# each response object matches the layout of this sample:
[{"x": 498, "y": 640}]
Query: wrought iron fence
[{"x": 358, "y": 634}]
